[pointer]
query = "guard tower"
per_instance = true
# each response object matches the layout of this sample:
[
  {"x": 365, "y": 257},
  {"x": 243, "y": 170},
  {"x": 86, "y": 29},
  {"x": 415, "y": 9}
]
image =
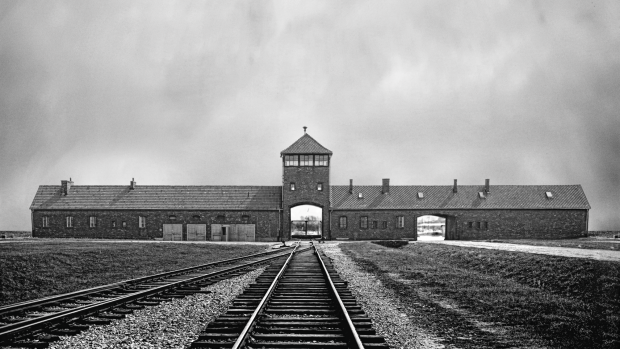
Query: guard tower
[{"x": 305, "y": 183}]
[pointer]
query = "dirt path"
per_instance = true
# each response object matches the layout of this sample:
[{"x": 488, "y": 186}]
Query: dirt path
[{"x": 601, "y": 255}]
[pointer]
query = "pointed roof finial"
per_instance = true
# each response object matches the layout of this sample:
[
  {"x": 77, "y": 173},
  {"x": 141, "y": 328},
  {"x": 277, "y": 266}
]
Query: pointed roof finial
[{"x": 305, "y": 129}]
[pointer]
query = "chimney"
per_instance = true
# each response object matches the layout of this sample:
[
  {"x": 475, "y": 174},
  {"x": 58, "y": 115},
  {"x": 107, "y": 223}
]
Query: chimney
[
  {"x": 454, "y": 188},
  {"x": 487, "y": 186},
  {"x": 350, "y": 186},
  {"x": 66, "y": 186},
  {"x": 132, "y": 185},
  {"x": 386, "y": 186}
]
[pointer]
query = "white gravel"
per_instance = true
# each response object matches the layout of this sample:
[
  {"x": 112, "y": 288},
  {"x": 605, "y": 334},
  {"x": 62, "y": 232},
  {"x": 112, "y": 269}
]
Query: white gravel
[
  {"x": 172, "y": 324},
  {"x": 380, "y": 304},
  {"x": 601, "y": 255}
]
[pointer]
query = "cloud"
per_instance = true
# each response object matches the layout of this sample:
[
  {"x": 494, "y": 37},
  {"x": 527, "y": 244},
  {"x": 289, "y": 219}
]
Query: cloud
[{"x": 208, "y": 92}]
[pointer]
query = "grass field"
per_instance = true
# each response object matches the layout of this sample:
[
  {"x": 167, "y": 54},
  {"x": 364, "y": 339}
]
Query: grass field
[
  {"x": 562, "y": 302},
  {"x": 30, "y": 270},
  {"x": 585, "y": 243}
]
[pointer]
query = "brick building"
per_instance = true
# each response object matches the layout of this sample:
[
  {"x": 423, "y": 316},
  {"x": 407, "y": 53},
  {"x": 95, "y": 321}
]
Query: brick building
[{"x": 265, "y": 213}]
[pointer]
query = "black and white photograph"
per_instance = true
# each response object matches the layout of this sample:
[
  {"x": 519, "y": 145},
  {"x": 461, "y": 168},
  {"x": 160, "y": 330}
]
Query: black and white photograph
[{"x": 394, "y": 174}]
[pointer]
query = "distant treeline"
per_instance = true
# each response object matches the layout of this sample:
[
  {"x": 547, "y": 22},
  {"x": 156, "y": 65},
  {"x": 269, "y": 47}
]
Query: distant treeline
[
  {"x": 15, "y": 234},
  {"x": 609, "y": 234}
]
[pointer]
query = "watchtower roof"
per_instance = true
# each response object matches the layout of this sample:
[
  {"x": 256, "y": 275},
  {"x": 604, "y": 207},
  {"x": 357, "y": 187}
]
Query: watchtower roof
[{"x": 306, "y": 145}]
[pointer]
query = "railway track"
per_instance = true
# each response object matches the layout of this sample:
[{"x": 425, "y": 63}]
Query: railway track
[
  {"x": 36, "y": 323},
  {"x": 297, "y": 303}
]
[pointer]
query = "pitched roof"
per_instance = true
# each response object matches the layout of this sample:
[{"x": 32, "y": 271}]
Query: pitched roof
[
  {"x": 161, "y": 197},
  {"x": 306, "y": 145},
  {"x": 442, "y": 197}
]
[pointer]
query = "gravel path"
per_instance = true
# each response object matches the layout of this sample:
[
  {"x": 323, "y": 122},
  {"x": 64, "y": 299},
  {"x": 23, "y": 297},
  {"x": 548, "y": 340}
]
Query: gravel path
[
  {"x": 172, "y": 324},
  {"x": 601, "y": 255},
  {"x": 380, "y": 304}
]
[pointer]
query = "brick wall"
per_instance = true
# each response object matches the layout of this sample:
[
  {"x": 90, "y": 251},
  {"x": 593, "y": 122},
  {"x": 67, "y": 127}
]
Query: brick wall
[
  {"x": 267, "y": 223},
  {"x": 506, "y": 224}
]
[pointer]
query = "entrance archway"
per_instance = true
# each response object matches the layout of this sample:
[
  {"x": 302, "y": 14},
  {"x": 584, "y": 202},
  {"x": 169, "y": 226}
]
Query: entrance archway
[
  {"x": 430, "y": 227},
  {"x": 306, "y": 221}
]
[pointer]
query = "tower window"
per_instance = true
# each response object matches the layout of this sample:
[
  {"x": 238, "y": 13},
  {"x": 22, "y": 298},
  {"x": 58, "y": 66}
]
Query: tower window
[
  {"x": 319, "y": 186},
  {"x": 291, "y": 160},
  {"x": 321, "y": 160},
  {"x": 292, "y": 186},
  {"x": 305, "y": 160},
  {"x": 343, "y": 222}
]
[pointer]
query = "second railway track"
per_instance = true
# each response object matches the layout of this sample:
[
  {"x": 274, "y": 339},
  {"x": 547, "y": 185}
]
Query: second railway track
[{"x": 36, "y": 323}]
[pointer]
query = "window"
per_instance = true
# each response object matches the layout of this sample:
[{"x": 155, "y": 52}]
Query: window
[
  {"x": 470, "y": 225},
  {"x": 221, "y": 218},
  {"x": 92, "y": 221},
  {"x": 375, "y": 224},
  {"x": 549, "y": 195},
  {"x": 113, "y": 224},
  {"x": 401, "y": 222},
  {"x": 291, "y": 160},
  {"x": 305, "y": 160},
  {"x": 364, "y": 222},
  {"x": 319, "y": 186},
  {"x": 172, "y": 217},
  {"x": 478, "y": 225},
  {"x": 343, "y": 222},
  {"x": 486, "y": 225},
  {"x": 420, "y": 195},
  {"x": 45, "y": 222},
  {"x": 141, "y": 222},
  {"x": 320, "y": 160},
  {"x": 196, "y": 216},
  {"x": 124, "y": 224},
  {"x": 245, "y": 218},
  {"x": 384, "y": 224},
  {"x": 69, "y": 222},
  {"x": 292, "y": 186}
]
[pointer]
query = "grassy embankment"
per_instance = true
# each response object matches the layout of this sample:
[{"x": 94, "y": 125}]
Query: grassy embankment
[
  {"x": 30, "y": 270},
  {"x": 563, "y": 302},
  {"x": 585, "y": 243}
]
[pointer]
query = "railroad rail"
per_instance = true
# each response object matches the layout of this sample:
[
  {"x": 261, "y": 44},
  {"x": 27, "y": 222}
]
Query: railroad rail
[
  {"x": 297, "y": 303},
  {"x": 36, "y": 323}
]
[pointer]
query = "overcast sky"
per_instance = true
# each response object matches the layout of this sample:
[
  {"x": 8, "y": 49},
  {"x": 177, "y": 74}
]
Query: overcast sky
[{"x": 210, "y": 92}]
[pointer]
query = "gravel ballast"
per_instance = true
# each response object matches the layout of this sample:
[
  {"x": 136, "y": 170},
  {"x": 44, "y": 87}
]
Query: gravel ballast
[
  {"x": 172, "y": 324},
  {"x": 380, "y": 304}
]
